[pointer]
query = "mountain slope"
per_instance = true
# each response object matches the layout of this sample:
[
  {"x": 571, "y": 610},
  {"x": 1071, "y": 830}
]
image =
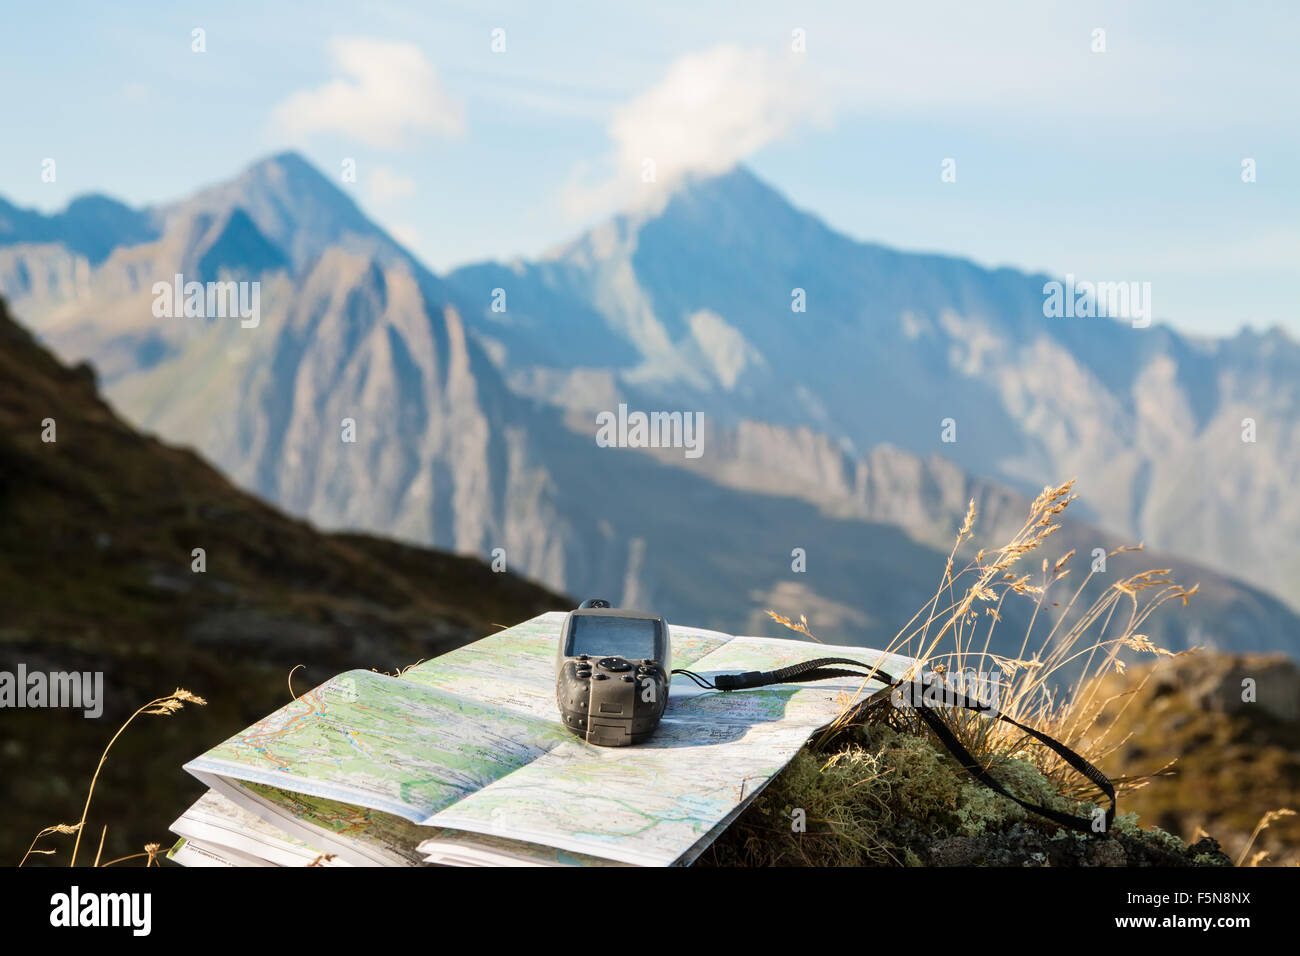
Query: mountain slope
[
  {"x": 97, "y": 536},
  {"x": 1227, "y": 760}
]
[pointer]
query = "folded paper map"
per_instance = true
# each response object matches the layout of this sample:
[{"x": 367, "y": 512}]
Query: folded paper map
[{"x": 463, "y": 760}]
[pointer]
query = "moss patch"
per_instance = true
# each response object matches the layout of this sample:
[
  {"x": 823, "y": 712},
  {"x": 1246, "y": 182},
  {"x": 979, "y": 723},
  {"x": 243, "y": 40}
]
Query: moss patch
[{"x": 879, "y": 796}]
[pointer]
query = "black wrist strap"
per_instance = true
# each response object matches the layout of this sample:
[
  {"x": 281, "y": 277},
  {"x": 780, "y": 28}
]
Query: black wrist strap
[{"x": 824, "y": 668}]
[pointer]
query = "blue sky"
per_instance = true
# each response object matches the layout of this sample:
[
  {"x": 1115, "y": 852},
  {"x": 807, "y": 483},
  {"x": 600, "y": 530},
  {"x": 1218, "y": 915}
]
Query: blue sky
[{"x": 1115, "y": 165}]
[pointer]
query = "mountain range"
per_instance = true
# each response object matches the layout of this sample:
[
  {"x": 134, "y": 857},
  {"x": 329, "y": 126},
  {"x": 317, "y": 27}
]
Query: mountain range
[
  {"x": 691, "y": 306},
  {"x": 458, "y": 411}
]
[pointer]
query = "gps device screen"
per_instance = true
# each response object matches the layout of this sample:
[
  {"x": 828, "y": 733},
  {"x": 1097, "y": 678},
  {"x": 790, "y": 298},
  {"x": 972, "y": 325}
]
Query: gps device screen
[{"x": 630, "y": 638}]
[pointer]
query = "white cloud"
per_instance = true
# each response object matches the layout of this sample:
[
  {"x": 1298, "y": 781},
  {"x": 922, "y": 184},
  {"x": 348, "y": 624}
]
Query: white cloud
[
  {"x": 385, "y": 184},
  {"x": 711, "y": 110},
  {"x": 387, "y": 91}
]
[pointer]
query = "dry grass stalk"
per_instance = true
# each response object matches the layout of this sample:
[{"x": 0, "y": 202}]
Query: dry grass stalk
[
  {"x": 1262, "y": 825},
  {"x": 150, "y": 852},
  {"x": 161, "y": 707},
  {"x": 953, "y": 631},
  {"x": 57, "y": 828}
]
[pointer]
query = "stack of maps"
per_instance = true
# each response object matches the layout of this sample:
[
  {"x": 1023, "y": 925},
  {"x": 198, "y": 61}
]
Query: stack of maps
[{"x": 463, "y": 760}]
